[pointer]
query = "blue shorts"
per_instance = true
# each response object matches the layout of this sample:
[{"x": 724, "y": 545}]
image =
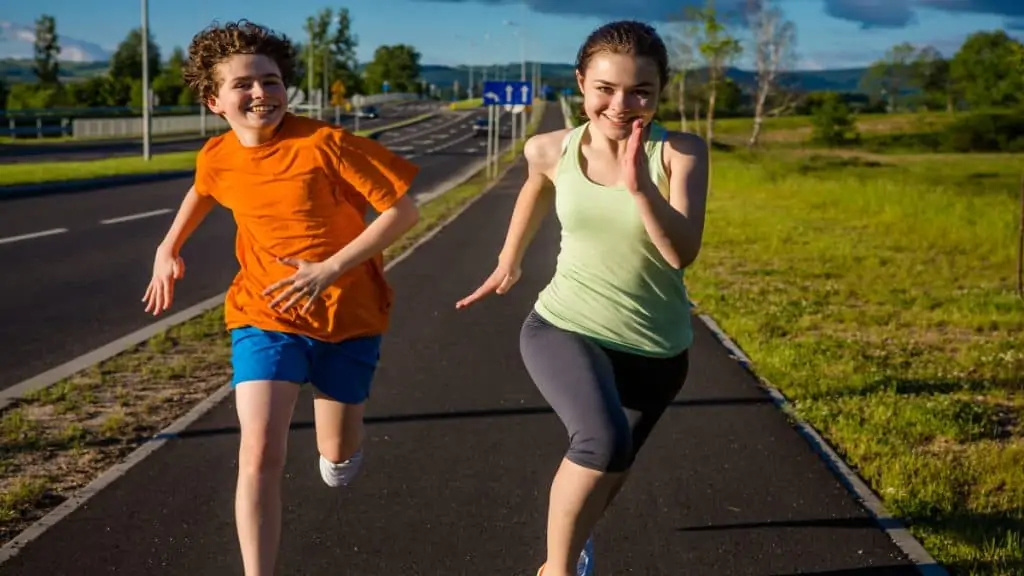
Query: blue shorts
[{"x": 342, "y": 371}]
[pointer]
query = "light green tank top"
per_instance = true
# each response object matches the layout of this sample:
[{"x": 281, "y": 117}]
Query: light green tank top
[{"x": 611, "y": 283}]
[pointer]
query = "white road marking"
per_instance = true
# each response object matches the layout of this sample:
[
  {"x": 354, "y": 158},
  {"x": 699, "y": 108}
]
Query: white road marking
[
  {"x": 50, "y": 232},
  {"x": 445, "y": 145},
  {"x": 138, "y": 216}
]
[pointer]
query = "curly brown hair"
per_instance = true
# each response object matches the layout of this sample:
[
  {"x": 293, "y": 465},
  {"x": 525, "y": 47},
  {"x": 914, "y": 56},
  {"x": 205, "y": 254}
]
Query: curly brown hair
[{"x": 219, "y": 42}]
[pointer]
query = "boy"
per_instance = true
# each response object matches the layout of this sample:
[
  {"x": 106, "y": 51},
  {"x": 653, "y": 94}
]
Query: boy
[{"x": 310, "y": 301}]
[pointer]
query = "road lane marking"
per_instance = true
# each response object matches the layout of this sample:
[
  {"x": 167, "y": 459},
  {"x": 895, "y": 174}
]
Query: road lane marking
[
  {"x": 138, "y": 216},
  {"x": 32, "y": 235}
]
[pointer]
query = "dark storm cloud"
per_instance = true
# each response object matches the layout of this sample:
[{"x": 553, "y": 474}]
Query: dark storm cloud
[
  {"x": 872, "y": 13},
  {"x": 900, "y": 13},
  {"x": 646, "y": 10},
  {"x": 868, "y": 13}
]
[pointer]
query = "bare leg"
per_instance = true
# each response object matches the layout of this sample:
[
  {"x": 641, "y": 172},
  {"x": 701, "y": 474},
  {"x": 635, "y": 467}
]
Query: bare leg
[
  {"x": 264, "y": 415},
  {"x": 579, "y": 497},
  {"x": 339, "y": 434}
]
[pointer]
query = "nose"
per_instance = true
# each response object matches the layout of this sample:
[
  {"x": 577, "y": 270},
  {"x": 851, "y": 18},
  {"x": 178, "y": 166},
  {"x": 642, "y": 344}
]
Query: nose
[
  {"x": 257, "y": 89},
  {"x": 618, "y": 101}
]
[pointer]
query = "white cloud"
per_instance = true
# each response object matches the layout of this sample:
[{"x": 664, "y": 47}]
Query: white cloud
[{"x": 16, "y": 41}]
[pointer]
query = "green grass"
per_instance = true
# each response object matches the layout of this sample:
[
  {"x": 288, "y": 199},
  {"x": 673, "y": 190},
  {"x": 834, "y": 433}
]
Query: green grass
[
  {"x": 878, "y": 295},
  {"x": 881, "y": 130},
  {"x": 468, "y": 104},
  {"x": 45, "y": 172}
]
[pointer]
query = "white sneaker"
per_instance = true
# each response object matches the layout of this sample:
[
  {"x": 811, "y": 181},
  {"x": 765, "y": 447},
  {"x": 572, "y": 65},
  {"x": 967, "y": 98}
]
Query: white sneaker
[{"x": 341, "y": 474}]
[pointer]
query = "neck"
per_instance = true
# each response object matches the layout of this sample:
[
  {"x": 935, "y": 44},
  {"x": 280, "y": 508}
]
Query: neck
[{"x": 250, "y": 138}]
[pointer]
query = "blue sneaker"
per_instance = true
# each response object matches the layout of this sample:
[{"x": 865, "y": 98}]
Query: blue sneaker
[{"x": 585, "y": 565}]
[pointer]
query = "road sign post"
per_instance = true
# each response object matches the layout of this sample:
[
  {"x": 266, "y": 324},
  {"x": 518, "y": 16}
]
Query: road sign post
[{"x": 514, "y": 97}]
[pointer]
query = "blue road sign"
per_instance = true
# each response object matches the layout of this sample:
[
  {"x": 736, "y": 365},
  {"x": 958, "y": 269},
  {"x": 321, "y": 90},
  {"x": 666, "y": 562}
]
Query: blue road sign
[{"x": 498, "y": 93}]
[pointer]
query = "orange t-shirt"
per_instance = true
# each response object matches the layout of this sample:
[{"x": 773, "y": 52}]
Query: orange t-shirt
[{"x": 304, "y": 194}]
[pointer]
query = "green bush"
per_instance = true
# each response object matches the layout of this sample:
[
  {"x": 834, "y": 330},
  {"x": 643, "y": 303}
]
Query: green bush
[
  {"x": 832, "y": 123},
  {"x": 997, "y": 131}
]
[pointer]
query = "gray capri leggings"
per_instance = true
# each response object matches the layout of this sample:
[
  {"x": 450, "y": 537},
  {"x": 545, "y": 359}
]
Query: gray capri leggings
[{"x": 608, "y": 400}]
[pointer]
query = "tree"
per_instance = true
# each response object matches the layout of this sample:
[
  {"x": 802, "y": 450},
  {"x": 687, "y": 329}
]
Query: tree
[
  {"x": 329, "y": 54},
  {"x": 719, "y": 49},
  {"x": 47, "y": 48},
  {"x": 684, "y": 50},
  {"x": 398, "y": 65},
  {"x": 169, "y": 86},
  {"x": 343, "y": 46},
  {"x": 982, "y": 71},
  {"x": 930, "y": 73},
  {"x": 892, "y": 74},
  {"x": 774, "y": 41},
  {"x": 126, "y": 63}
]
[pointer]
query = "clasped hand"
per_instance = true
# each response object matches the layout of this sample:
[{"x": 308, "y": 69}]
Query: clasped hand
[{"x": 633, "y": 173}]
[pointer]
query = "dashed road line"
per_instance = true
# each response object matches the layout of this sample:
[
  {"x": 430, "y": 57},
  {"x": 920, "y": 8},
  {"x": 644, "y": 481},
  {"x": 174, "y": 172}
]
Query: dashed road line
[
  {"x": 51, "y": 232},
  {"x": 138, "y": 216}
]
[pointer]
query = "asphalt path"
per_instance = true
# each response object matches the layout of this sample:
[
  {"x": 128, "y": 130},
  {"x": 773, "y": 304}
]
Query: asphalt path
[
  {"x": 81, "y": 151},
  {"x": 79, "y": 262},
  {"x": 460, "y": 452}
]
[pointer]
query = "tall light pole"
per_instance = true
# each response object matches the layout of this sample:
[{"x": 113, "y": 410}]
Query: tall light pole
[{"x": 147, "y": 120}]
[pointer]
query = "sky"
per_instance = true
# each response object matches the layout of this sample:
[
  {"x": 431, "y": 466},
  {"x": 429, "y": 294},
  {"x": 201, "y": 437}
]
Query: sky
[{"x": 831, "y": 33}]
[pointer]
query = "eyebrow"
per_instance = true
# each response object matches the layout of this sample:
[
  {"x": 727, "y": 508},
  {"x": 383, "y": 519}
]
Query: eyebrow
[
  {"x": 640, "y": 85},
  {"x": 268, "y": 75}
]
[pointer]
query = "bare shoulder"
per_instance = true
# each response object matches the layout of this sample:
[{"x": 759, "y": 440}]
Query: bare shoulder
[
  {"x": 687, "y": 145},
  {"x": 542, "y": 151}
]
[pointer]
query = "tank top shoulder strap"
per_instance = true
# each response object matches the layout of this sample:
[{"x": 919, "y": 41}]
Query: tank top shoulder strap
[
  {"x": 569, "y": 159},
  {"x": 655, "y": 150}
]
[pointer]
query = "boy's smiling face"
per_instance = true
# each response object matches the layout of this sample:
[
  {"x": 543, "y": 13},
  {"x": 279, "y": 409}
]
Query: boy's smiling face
[{"x": 251, "y": 96}]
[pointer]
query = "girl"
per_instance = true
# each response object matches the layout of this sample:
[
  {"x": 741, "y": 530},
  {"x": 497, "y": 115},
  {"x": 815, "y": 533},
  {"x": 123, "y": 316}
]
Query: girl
[{"x": 607, "y": 342}]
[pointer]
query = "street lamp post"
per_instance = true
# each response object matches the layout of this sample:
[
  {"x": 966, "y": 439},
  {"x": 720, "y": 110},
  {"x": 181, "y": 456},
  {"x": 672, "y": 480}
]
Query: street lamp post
[{"x": 147, "y": 120}]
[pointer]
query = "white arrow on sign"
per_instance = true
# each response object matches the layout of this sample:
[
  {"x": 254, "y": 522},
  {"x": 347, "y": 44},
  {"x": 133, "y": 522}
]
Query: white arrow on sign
[
  {"x": 508, "y": 93},
  {"x": 491, "y": 96},
  {"x": 526, "y": 92}
]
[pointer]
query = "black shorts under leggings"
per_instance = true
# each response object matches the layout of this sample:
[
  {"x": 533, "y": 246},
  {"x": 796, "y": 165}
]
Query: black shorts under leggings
[{"x": 609, "y": 401}]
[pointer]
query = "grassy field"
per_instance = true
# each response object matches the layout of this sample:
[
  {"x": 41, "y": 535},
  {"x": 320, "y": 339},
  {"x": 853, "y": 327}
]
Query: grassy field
[
  {"x": 468, "y": 104},
  {"x": 877, "y": 292},
  {"x": 55, "y": 441},
  {"x": 46, "y": 172}
]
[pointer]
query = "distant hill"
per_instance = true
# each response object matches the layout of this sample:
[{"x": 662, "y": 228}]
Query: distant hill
[
  {"x": 563, "y": 75},
  {"x": 557, "y": 75},
  {"x": 19, "y": 70}
]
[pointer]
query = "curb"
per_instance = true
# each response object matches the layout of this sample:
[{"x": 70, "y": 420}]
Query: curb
[
  {"x": 854, "y": 484},
  {"x": 87, "y": 184}
]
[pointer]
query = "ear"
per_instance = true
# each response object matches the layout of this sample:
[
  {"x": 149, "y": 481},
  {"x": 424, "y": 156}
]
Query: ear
[
  {"x": 579, "y": 81},
  {"x": 213, "y": 105}
]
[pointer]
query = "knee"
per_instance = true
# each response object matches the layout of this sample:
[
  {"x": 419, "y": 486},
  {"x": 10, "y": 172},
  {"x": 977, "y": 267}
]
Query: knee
[
  {"x": 260, "y": 455},
  {"x": 604, "y": 448}
]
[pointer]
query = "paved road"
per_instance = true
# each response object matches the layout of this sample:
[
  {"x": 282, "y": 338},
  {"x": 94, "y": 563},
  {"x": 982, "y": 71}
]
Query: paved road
[
  {"x": 79, "y": 151},
  {"x": 79, "y": 270},
  {"x": 461, "y": 448}
]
